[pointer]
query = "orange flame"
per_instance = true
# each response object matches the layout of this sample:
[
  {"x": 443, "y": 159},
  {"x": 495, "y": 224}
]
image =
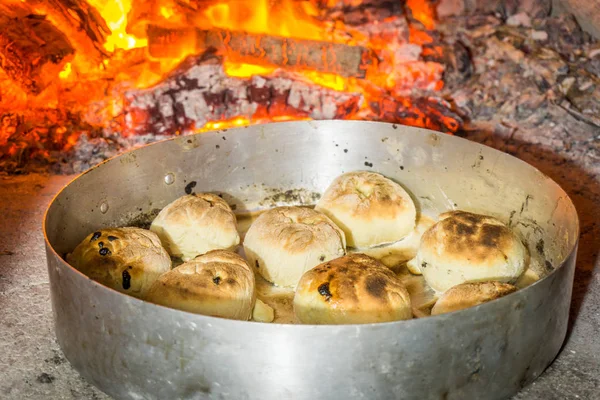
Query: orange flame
[
  {"x": 398, "y": 67},
  {"x": 114, "y": 13}
]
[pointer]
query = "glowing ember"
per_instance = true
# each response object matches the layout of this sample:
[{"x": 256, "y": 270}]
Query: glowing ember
[
  {"x": 380, "y": 65},
  {"x": 66, "y": 71}
]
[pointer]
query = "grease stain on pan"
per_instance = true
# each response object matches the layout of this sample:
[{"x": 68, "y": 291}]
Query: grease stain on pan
[
  {"x": 189, "y": 143},
  {"x": 434, "y": 140},
  {"x": 128, "y": 158},
  {"x": 280, "y": 197}
]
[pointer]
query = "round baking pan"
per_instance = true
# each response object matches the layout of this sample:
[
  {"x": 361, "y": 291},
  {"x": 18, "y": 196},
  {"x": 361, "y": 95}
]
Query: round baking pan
[{"x": 132, "y": 349}]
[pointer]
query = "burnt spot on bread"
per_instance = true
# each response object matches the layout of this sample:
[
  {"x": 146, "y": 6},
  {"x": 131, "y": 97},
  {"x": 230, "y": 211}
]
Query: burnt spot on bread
[
  {"x": 375, "y": 286},
  {"x": 463, "y": 229},
  {"x": 257, "y": 264},
  {"x": 423, "y": 264},
  {"x": 324, "y": 291},
  {"x": 126, "y": 279},
  {"x": 468, "y": 217},
  {"x": 217, "y": 280},
  {"x": 189, "y": 188},
  {"x": 101, "y": 244},
  {"x": 112, "y": 238},
  {"x": 491, "y": 235},
  {"x": 322, "y": 258},
  {"x": 96, "y": 236},
  {"x": 105, "y": 251}
]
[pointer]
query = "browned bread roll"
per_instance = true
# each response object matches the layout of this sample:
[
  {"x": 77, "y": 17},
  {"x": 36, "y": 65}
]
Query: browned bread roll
[
  {"x": 195, "y": 224},
  {"x": 285, "y": 242},
  {"x": 354, "y": 289},
  {"x": 466, "y": 247},
  {"x": 370, "y": 208},
  {"x": 219, "y": 283},
  {"x": 126, "y": 259},
  {"x": 468, "y": 295}
]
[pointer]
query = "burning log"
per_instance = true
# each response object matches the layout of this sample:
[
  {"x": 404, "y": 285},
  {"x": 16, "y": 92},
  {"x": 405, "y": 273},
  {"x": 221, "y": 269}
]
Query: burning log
[
  {"x": 356, "y": 12},
  {"x": 430, "y": 112},
  {"x": 199, "y": 91},
  {"x": 32, "y": 50},
  {"x": 335, "y": 58},
  {"x": 76, "y": 19}
]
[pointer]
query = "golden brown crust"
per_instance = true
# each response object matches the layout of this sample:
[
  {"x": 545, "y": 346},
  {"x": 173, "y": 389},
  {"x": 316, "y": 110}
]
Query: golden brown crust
[
  {"x": 468, "y": 295},
  {"x": 219, "y": 283},
  {"x": 467, "y": 247},
  {"x": 370, "y": 208},
  {"x": 351, "y": 289},
  {"x": 126, "y": 259},
  {"x": 464, "y": 235},
  {"x": 367, "y": 195}
]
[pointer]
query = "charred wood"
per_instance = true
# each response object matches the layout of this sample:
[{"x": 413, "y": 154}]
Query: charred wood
[
  {"x": 199, "y": 91},
  {"x": 32, "y": 50},
  {"x": 76, "y": 19},
  {"x": 335, "y": 58}
]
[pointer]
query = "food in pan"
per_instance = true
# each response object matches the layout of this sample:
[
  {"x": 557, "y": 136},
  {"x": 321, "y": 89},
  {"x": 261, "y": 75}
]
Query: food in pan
[
  {"x": 195, "y": 224},
  {"x": 468, "y": 295},
  {"x": 466, "y": 247},
  {"x": 285, "y": 242},
  {"x": 262, "y": 312},
  {"x": 370, "y": 208},
  {"x": 297, "y": 262},
  {"x": 219, "y": 283},
  {"x": 126, "y": 259},
  {"x": 354, "y": 289}
]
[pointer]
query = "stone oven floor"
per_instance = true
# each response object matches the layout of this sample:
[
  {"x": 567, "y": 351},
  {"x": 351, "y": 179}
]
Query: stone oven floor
[{"x": 32, "y": 365}]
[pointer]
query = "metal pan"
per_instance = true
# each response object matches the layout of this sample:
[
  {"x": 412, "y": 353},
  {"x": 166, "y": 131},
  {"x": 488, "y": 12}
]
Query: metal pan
[{"x": 131, "y": 349}]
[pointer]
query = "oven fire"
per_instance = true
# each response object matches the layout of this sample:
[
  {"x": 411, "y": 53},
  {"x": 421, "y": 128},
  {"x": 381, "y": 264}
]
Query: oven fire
[
  {"x": 83, "y": 80},
  {"x": 121, "y": 68}
]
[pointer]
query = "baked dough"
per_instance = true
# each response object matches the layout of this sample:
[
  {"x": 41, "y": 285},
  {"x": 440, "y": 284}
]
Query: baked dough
[
  {"x": 468, "y": 295},
  {"x": 262, "y": 312},
  {"x": 195, "y": 224},
  {"x": 219, "y": 283},
  {"x": 370, "y": 208},
  {"x": 466, "y": 247},
  {"x": 285, "y": 242},
  {"x": 126, "y": 259},
  {"x": 354, "y": 289}
]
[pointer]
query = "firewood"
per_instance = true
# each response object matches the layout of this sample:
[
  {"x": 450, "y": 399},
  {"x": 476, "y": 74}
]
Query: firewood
[
  {"x": 336, "y": 58},
  {"x": 199, "y": 91},
  {"x": 78, "y": 20},
  {"x": 432, "y": 112},
  {"x": 32, "y": 51}
]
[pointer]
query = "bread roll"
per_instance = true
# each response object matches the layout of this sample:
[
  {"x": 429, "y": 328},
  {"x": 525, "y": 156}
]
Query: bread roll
[
  {"x": 354, "y": 289},
  {"x": 370, "y": 208},
  {"x": 195, "y": 224},
  {"x": 468, "y": 295},
  {"x": 466, "y": 247},
  {"x": 126, "y": 259},
  {"x": 219, "y": 283},
  {"x": 285, "y": 242}
]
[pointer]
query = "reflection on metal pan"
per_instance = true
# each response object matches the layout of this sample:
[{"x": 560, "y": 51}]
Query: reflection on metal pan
[{"x": 136, "y": 350}]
